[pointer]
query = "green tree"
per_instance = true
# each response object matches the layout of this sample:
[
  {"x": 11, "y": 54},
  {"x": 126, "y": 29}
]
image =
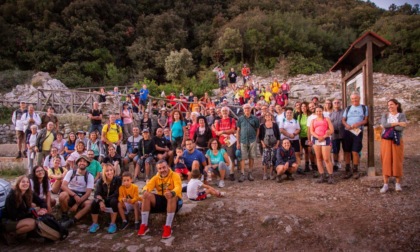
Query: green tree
[
  {"x": 231, "y": 44},
  {"x": 179, "y": 64}
]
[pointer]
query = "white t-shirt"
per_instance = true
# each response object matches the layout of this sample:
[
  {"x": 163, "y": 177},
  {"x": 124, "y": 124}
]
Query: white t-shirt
[
  {"x": 32, "y": 140},
  {"x": 78, "y": 183},
  {"x": 75, "y": 155},
  {"x": 309, "y": 121},
  {"x": 290, "y": 126},
  {"x": 193, "y": 188},
  {"x": 279, "y": 118},
  {"x": 49, "y": 162},
  {"x": 41, "y": 190}
]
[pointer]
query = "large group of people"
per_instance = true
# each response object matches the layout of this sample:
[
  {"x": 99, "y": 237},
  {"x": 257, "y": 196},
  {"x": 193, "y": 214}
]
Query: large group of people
[{"x": 187, "y": 137}]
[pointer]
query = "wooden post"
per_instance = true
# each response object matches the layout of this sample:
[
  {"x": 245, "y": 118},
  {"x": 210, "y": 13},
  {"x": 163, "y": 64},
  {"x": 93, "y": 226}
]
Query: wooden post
[{"x": 370, "y": 103}]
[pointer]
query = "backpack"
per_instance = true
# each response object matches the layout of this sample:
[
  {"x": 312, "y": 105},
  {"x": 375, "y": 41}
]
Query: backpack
[
  {"x": 61, "y": 170},
  {"x": 48, "y": 227},
  {"x": 109, "y": 126},
  {"x": 74, "y": 172},
  {"x": 269, "y": 139}
]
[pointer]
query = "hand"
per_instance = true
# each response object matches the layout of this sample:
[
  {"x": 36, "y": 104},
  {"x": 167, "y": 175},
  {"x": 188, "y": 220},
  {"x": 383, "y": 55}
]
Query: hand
[
  {"x": 77, "y": 199},
  {"x": 102, "y": 205},
  {"x": 168, "y": 194},
  {"x": 74, "y": 208},
  {"x": 42, "y": 211},
  {"x": 402, "y": 124}
]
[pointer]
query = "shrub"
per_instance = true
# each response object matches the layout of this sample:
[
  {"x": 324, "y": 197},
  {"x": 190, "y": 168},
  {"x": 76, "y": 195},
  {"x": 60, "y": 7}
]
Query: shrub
[{"x": 10, "y": 78}]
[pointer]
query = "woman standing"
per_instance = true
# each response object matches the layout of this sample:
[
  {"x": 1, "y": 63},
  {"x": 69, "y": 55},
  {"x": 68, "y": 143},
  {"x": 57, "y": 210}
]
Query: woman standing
[
  {"x": 146, "y": 122},
  {"x": 106, "y": 198},
  {"x": 127, "y": 116},
  {"x": 162, "y": 119},
  {"x": 202, "y": 135},
  {"x": 218, "y": 161},
  {"x": 392, "y": 150},
  {"x": 303, "y": 134},
  {"x": 321, "y": 131},
  {"x": 40, "y": 185},
  {"x": 328, "y": 108},
  {"x": 30, "y": 145},
  {"x": 269, "y": 135},
  {"x": 17, "y": 216},
  {"x": 178, "y": 129}
]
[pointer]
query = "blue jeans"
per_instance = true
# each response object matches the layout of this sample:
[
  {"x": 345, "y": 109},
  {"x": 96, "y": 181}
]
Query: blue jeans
[{"x": 97, "y": 127}]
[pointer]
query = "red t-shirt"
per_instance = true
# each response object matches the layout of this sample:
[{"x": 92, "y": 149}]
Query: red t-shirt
[{"x": 225, "y": 124}]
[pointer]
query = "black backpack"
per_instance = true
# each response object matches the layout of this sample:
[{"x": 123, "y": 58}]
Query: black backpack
[
  {"x": 74, "y": 172},
  {"x": 49, "y": 228}
]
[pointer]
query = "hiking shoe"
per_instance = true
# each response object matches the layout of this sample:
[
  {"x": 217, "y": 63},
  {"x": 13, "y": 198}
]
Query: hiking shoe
[
  {"x": 19, "y": 155},
  {"x": 124, "y": 225},
  {"x": 136, "y": 226},
  {"x": 25, "y": 155},
  {"x": 279, "y": 179},
  {"x": 348, "y": 175},
  {"x": 322, "y": 178},
  {"x": 335, "y": 168},
  {"x": 290, "y": 177},
  {"x": 241, "y": 178},
  {"x": 398, "y": 187},
  {"x": 265, "y": 177},
  {"x": 143, "y": 230},
  {"x": 315, "y": 174},
  {"x": 250, "y": 177},
  {"x": 330, "y": 179},
  {"x": 68, "y": 223},
  {"x": 221, "y": 184},
  {"x": 222, "y": 194},
  {"x": 112, "y": 228},
  {"x": 232, "y": 177},
  {"x": 385, "y": 188},
  {"x": 93, "y": 228},
  {"x": 307, "y": 168},
  {"x": 167, "y": 232},
  {"x": 272, "y": 176},
  {"x": 300, "y": 171},
  {"x": 356, "y": 175}
]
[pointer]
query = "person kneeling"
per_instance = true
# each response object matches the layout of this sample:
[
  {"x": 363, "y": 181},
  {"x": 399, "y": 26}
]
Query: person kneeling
[
  {"x": 168, "y": 198},
  {"x": 197, "y": 190},
  {"x": 285, "y": 161}
]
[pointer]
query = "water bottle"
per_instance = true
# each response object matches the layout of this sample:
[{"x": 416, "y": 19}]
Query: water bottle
[{"x": 209, "y": 175}]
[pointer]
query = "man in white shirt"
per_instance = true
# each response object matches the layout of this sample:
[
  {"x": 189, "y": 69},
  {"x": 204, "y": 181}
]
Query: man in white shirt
[
  {"x": 19, "y": 127},
  {"x": 312, "y": 157}
]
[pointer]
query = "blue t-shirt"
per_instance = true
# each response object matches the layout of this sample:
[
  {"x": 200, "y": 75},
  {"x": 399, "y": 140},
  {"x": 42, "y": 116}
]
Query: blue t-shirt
[
  {"x": 218, "y": 158},
  {"x": 177, "y": 130},
  {"x": 190, "y": 157},
  {"x": 144, "y": 93},
  {"x": 355, "y": 114}
]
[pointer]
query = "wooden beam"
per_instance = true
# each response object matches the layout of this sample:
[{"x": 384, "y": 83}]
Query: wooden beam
[{"x": 370, "y": 103}]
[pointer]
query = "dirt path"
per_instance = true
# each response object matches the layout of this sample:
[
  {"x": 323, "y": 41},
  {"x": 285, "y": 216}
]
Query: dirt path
[{"x": 267, "y": 216}]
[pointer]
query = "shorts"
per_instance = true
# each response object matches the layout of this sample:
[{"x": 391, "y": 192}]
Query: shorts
[
  {"x": 142, "y": 161},
  {"x": 351, "y": 142},
  {"x": 295, "y": 144},
  {"x": 269, "y": 156},
  {"x": 20, "y": 134},
  {"x": 201, "y": 196},
  {"x": 303, "y": 142},
  {"x": 72, "y": 201},
  {"x": 183, "y": 171},
  {"x": 9, "y": 225},
  {"x": 336, "y": 143},
  {"x": 327, "y": 141},
  {"x": 130, "y": 207},
  {"x": 143, "y": 102},
  {"x": 248, "y": 151},
  {"x": 161, "y": 204}
]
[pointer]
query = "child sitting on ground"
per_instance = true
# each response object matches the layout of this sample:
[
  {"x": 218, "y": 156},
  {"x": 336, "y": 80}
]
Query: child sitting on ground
[
  {"x": 180, "y": 166},
  {"x": 128, "y": 200},
  {"x": 197, "y": 190}
]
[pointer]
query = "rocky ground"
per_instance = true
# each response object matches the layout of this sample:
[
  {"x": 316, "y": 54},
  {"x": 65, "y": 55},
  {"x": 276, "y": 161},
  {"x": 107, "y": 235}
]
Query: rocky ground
[{"x": 266, "y": 216}]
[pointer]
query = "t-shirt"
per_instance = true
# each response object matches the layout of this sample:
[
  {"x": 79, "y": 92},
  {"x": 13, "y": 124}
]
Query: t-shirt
[
  {"x": 177, "y": 129},
  {"x": 303, "y": 120},
  {"x": 215, "y": 159},
  {"x": 95, "y": 112},
  {"x": 59, "y": 145},
  {"x": 56, "y": 171},
  {"x": 133, "y": 143},
  {"x": 249, "y": 127},
  {"x": 75, "y": 155},
  {"x": 45, "y": 119},
  {"x": 161, "y": 142},
  {"x": 290, "y": 126},
  {"x": 225, "y": 124},
  {"x": 78, "y": 183},
  {"x": 193, "y": 188},
  {"x": 144, "y": 93},
  {"x": 46, "y": 145},
  {"x": 190, "y": 157},
  {"x": 355, "y": 114},
  {"x": 94, "y": 168},
  {"x": 113, "y": 133},
  {"x": 49, "y": 161},
  {"x": 41, "y": 189}
]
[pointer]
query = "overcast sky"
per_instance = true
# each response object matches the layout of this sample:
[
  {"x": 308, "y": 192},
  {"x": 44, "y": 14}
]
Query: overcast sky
[{"x": 384, "y": 4}]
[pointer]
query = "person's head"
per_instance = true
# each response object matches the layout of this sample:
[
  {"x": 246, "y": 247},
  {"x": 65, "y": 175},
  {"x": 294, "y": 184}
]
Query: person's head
[
  {"x": 247, "y": 109},
  {"x": 214, "y": 144},
  {"x": 82, "y": 162},
  {"x": 162, "y": 168},
  {"x": 285, "y": 144},
  {"x": 127, "y": 179},
  {"x": 102, "y": 90},
  {"x": 146, "y": 114},
  {"x": 268, "y": 117},
  {"x": 189, "y": 145},
  {"x": 38, "y": 172},
  {"x": 177, "y": 116},
  {"x": 112, "y": 118},
  {"x": 202, "y": 121},
  {"x": 34, "y": 129},
  {"x": 278, "y": 109},
  {"x": 125, "y": 105},
  {"x": 179, "y": 151},
  {"x": 194, "y": 116},
  {"x": 304, "y": 108},
  {"x": 80, "y": 147},
  {"x": 22, "y": 105},
  {"x": 297, "y": 106},
  {"x": 355, "y": 98},
  {"x": 195, "y": 99},
  {"x": 40, "y": 179},
  {"x": 394, "y": 106},
  {"x": 166, "y": 132},
  {"x": 115, "y": 89},
  {"x": 146, "y": 134},
  {"x": 144, "y": 86},
  {"x": 72, "y": 137},
  {"x": 112, "y": 150},
  {"x": 315, "y": 100},
  {"x": 91, "y": 154},
  {"x": 57, "y": 161},
  {"x": 159, "y": 132},
  {"x": 53, "y": 151},
  {"x": 31, "y": 109},
  {"x": 264, "y": 108},
  {"x": 136, "y": 131},
  {"x": 336, "y": 104},
  {"x": 50, "y": 111},
  {"x": 225, "y": 112},
  {"x": 319, "y": 111},
  {"x": 311, "y": 107},
  {"x": 108, "y": 172},
  {"x": 289, "y": 113},
  {"x": 232, "y": 69},
  {"x": 81, "y": 134},
  {"x": 50, "y": 126},
  {"x": 195, "y": 174},
  {"x": 23, "y": 192},
  {"x": 95, "y": 105},
  {"x": 93, "y": 135},
  {"x": 328, "y": 105},
  {"x": 59, "y": 135}
]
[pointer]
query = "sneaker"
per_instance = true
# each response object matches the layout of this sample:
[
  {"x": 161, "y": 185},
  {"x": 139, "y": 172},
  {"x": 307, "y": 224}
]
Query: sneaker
[
  {"x": 315, "y": 174},
  {"x": 136, "y": 226},
  {"x": 356, "y": 175},
  {"x": 112, "y": 228},
  {"x": 384, "y": 189},
  {"x": 241, "y": 178},
  {"x": 167, "y": 232},
  {"x": 25, "y": 155},
  {"x": 19, "y": 155},
  {"x": 143, "y": 230},
  {"x": 222, "y": 194},
  {"x": 68, "y": 223},
  {"x": 279, "y": 179},
  {"x": 272, "y": 176},
  {"x": 290, "y": 177},
  {"x": 221, "y": 184},
  {"x": 335, "y": 168},
  {"x": 124, "y": 225},
  {"x": 250, "y": 177},
  {"x": 348, "y": 175},
  {"x": 265, "y": 177},
  {"x": 398, "y": 187},
  {"x": 300, "y": 171},
  {"x": 93, "y": 228},
  {"x": 232, "y": 177},
  {"x": 330, "y": 179}
]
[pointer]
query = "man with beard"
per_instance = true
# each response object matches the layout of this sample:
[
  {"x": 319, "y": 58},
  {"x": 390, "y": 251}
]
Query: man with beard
[
  {"x": 132, "y": 148},
  {"x": 76, "y": 189},
  {"x": 163, "y": 147}
]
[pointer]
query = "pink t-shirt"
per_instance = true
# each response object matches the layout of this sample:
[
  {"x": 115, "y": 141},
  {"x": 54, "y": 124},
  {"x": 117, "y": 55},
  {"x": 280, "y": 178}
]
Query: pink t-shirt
[
  {"x": 127, "y": 118},
  {"x": 320, "y": 127}
]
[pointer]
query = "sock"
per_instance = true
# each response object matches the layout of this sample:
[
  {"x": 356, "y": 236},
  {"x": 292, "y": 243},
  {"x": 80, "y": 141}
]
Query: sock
[
  {"x": 124, "y": 221},
  {"x": 145, "y": 218},
  {"x": 169, "y": 219},
  {"x": 347, "y": 167},
  {"x": 136, "y": 222}
]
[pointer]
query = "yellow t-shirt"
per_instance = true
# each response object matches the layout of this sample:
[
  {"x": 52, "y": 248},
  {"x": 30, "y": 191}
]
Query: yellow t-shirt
[
  {"x": 56, "y": 171},
  {"x": 267, "y": 96},
  {"x": 172, "y": 183},
  {"x": 275, "y": 87},
  {"x": 113, "y": 133},
  {"x": 46, "y": 145},
  {"x": 131, "y": 193}
]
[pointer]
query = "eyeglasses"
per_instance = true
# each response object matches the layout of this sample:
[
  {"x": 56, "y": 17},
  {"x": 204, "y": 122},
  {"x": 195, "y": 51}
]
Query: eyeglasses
[{"x": 39, "y": 171}]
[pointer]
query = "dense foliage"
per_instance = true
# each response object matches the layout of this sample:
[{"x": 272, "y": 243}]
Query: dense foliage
[{"x": 85, "y": 42}]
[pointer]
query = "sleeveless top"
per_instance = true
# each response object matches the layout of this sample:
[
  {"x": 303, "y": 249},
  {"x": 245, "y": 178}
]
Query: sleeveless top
[{"x": 320, "y": 127}]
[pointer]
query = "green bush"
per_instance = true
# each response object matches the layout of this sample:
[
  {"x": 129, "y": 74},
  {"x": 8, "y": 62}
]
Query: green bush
[
  {"x": 5, "y": 115},
  {"x": 10, "y": 78}
]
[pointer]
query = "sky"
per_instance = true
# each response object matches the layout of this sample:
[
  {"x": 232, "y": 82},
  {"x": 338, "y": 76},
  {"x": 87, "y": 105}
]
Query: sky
[{"x": 384, "y": 4}]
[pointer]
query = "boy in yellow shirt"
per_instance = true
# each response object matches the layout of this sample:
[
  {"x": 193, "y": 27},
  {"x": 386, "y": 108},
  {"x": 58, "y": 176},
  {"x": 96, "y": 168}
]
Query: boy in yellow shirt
[{"x": 128, "y": 200}]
